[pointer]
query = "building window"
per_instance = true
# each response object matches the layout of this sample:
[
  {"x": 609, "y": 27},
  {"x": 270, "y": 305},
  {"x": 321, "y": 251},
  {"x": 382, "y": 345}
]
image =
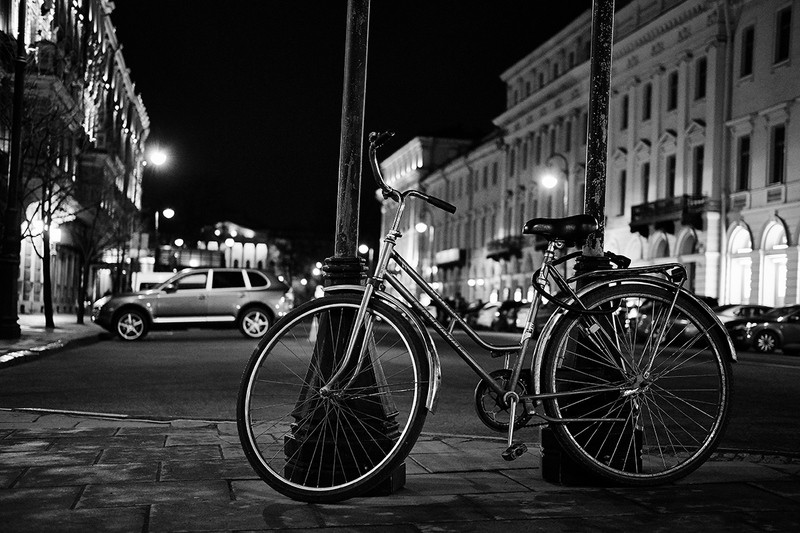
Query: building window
[
  {"x": 553, "y": 140},
  {"x": 538, "y": 153},
  {"x": 494, "y": 173},
  {"x": 670, "y": 176},
  {"x": 555, "y": 71},
  {"x": 541, "y": 80},
  {"x": 512, "y": 158},
  {"x": 623, "y": 183},
  {"x": 672, "y": 91},
  {"x": 645, "y": 181},
  {"x": 647, "y": 101},
  {"x": 568, "y": 136},
  {"x": 743, "y": 167},
  {"x": 783, "y": 34},
  {"x": 485, "y": 177},
  {"x": 698, "y": 155},
  {"x": 700, "y": 77},
  {"x": 525, "y": 155},
  {"x": 624, "y": 113},
  {"x": 748, "y": 42},
  {"x": 778, "y": 152}
]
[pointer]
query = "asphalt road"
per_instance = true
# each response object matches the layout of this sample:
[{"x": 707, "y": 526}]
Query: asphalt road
[{"x": 195, "y": 374}]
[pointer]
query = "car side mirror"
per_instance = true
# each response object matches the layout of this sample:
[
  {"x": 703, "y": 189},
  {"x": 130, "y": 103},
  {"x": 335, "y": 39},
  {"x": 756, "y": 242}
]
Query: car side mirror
[{"x": 170, "y": 288}]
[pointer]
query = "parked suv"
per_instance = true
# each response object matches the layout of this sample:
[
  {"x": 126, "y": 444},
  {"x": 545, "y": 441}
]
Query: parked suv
[{"x": 212, "y": 297}]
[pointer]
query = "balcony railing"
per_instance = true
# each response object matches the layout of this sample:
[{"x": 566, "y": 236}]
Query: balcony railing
[
  {"x": 664, "y": 213},
  {"x": 505, "y": 248}
]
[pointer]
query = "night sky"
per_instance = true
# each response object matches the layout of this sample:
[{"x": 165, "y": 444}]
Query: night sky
[{"x": 246, "y": 95}]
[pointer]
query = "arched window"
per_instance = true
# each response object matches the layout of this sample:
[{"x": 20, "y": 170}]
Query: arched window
[
  {"x": 740, "y": 245},
  {"x": 774, "y": 271},
  {"x": 661, "y": 248}
]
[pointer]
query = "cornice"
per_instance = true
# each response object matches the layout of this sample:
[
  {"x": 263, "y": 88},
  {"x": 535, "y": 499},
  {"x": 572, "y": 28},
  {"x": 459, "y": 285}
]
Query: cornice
[{"x": 655, "y": 30}]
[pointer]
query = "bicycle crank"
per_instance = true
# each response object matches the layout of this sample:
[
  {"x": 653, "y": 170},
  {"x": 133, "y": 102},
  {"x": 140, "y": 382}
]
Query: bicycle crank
[{"x": 491, "y": 408}]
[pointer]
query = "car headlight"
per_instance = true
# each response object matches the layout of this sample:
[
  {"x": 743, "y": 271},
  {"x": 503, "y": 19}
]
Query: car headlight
[{"x": 101, "y": 302}]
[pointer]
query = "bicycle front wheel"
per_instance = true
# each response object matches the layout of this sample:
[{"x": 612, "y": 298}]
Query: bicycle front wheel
[
  {"x": 647, "y": 385},
  {"x": 323, "y": 444}
]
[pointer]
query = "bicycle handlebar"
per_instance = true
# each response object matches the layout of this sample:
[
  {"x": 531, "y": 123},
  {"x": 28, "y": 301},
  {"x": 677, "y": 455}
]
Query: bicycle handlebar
[{"x": 376, "y": 140}]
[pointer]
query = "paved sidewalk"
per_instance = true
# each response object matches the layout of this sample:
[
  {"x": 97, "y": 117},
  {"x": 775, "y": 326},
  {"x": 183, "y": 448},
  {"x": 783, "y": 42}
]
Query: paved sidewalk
[
  {"x": 36, "y": 340},
  {"x": 73, "y": 472}
]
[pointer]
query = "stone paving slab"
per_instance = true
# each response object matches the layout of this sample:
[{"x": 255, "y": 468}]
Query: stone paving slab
[
  {"x": 56, "y": 476},
  {"x": 130, "y": 455},
  {"x": 178, "y": 470},
  {"x": 190, "y": 493},
  {"x": 233, "y": 516},
  {"x": 716, "y": 497},
  {"x": 122, "y": 520}
]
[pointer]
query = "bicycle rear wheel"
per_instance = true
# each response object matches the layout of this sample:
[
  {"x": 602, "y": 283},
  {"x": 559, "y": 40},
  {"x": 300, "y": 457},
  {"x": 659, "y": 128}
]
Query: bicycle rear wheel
[
  {"x": 649, "y": 382},
  {"x": 326, "y": 446}
]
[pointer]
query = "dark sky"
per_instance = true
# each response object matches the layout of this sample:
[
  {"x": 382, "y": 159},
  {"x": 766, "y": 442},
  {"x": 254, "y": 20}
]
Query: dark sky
[{"x": 246, "y": 95}]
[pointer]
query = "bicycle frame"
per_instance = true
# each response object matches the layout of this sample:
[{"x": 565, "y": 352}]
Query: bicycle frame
[{"x": 381, "y": 276}]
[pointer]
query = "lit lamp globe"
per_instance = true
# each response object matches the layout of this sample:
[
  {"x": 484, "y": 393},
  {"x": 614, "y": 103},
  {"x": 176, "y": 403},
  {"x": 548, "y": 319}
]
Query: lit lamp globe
[
  {"x": 158, "y": 157},
  {"x": 549, "y": 180},
  {"x": 168, "y": 213},
  {"x": 363, "y": 249}
]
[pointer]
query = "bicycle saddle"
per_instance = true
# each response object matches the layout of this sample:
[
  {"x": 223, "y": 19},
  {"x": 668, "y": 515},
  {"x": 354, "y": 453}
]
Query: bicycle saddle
[{"x": 572, "y": 229}]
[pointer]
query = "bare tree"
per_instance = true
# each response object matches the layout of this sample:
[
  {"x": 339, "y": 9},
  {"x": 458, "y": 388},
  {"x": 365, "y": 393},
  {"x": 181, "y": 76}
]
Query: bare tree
[{"x": 51, "y": 140}]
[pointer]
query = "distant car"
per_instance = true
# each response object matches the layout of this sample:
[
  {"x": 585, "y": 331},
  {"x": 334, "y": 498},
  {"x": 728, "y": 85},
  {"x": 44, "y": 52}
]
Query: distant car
[
  {"x": 546, "y": 310},
  {"x": 498, "y": 316},
  {"x": 729, "y": 312},
  {"x": 775, "y": 329},
  {"x": 212, "y": 297}
]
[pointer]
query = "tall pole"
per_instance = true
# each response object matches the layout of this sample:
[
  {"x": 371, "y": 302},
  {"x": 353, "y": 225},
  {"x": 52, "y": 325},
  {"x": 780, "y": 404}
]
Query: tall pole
[
  {"x": 9, "y": 257},
  {"x": 345, "y": 267},
  {"x": 597, "y": 142}
]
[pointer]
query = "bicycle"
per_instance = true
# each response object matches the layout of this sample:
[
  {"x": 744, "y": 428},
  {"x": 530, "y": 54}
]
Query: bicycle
[{"x": 632, "y": 372}]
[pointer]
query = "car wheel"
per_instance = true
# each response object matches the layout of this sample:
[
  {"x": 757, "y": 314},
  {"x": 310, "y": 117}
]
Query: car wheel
[
  {"x": 254, "y": 322},
  {"x": 131, "y": 325},
  {"x": 765, "y": 342}
]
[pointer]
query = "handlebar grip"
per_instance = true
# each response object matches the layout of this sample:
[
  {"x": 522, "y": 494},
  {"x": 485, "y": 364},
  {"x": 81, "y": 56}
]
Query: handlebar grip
[
  {"x": 377, "y": 139},
  {"x": 441, "y": 204}
]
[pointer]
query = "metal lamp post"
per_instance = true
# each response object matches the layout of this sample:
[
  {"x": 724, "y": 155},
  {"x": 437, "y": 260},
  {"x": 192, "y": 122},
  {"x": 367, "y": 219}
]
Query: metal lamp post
[{"x": 166, "y": 213}]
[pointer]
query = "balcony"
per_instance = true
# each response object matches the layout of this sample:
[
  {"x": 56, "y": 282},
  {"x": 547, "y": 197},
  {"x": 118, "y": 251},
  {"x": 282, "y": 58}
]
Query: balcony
[
  {"x": 505, "y": 248},
  {"x": 452, "y": 257},
  {"x": 663, "y": 214}
]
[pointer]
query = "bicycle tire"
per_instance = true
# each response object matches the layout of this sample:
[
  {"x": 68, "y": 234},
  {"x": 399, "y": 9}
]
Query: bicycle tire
[
  {"x": 327, "y": 447},
  {"x": 670, "y": 414}
]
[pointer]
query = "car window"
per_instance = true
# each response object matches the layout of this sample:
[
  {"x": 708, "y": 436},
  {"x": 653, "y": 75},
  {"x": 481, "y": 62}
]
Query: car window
[
  {"x": 225, "y": 279},
  {"x": 257, "y": 280},
  {"x": 192, "y": 281}
]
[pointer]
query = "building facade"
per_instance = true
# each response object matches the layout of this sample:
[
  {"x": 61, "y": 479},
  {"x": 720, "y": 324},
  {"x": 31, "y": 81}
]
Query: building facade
[
  {"x": 703, "y": 154},
  {"x": 76, "y": 70}
]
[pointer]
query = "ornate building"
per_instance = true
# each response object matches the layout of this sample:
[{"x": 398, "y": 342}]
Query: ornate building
[
  {"x": 76, "y": 72},
  {"x": 700, "y": 166}
]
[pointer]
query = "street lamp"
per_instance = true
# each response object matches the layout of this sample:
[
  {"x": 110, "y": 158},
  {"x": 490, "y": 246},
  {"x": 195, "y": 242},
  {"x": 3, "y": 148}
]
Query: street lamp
[
  {"x": 422, "y": 227},
  {"x": 368, "y": 251},
  {"x": 550, "y": 177}
]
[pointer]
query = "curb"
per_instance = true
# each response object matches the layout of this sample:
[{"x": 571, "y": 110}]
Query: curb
[{"x": 17, "y": 357}]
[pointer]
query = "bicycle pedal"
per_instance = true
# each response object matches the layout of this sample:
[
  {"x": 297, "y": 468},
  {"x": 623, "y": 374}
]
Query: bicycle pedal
[{"x": 514, "y": 451}]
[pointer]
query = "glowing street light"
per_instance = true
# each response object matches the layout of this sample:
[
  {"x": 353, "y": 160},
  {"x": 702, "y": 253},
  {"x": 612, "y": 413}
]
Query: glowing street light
[
  {"x": 158, "y": 157},
  {"x": 550, "y": 178}
]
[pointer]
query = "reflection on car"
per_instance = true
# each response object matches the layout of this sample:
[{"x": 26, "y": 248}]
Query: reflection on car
[
  {"x": 498, "y": 316},
  {"x": 212, "y": 297}
]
